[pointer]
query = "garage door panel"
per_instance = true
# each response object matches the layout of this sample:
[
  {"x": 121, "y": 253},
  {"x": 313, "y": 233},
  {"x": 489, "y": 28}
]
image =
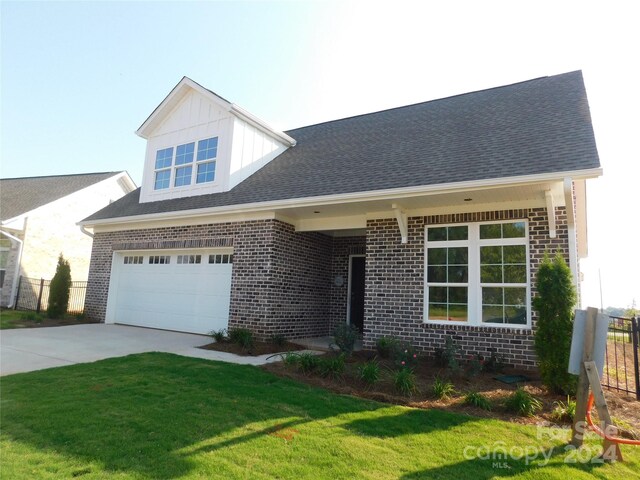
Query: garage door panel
[{"x": 184, "y": 297}]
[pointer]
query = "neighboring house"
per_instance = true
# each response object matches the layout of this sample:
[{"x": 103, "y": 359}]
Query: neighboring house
[
  {"x": 39, "y": 221},
  {"x": 421, "y": 221}
]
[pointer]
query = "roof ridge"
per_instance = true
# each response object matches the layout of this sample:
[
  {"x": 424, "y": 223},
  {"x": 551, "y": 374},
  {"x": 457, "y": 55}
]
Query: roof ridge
[
  {"x": 432, "y": 100},
  {"x": 63, "y": 175}
]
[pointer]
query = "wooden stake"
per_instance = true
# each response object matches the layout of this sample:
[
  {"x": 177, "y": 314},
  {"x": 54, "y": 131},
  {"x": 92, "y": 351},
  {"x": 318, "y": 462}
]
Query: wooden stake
[
  {"x": 610, "y": 450},
  {"x": 582, "y": 394}
]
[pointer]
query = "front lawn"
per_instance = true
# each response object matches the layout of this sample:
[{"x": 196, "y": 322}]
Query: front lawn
[
  {"x": 20, "y": 319},
  {"x": 155, "y": 416}
]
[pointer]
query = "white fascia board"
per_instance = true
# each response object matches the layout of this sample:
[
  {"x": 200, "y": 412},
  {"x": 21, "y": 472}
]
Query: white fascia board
[
  {"x": 262, "y": 125},
  {"x": 375, "y": 195},
  {"x": 171, "y": 101}
]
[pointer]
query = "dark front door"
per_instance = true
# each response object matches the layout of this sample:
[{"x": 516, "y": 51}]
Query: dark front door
[{"x": 356, "y": 300}]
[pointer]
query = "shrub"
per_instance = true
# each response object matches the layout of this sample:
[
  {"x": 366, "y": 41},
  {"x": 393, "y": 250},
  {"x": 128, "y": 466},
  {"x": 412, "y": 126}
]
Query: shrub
[
  {"x": 59, "y": 289},
  {"x": 404, "y": 355},
  {"x": 564, "y": 411},
  {"x": 369, "y": 372},
  {"x": 554, "y": 303},
  {"x": 442, "y": 388},
  {"x": 242, "y": 337},
  {"x": 308, "y": 362},
  {"x": 404, "y": 380},
  {"x": 495, "y": 363},
  {"x": 523, "y": 403},
  {"x": 474, "y": 367},
  {"x": 290, "y": 359},
  {"x": 477, "y": 400},
  {"x": 344, "y": 336},
  {"x": 219, "y": 335},
  {"x": 447, "y": 355},
  {"x": 386, "y": 346},
  {"x": 278, "y": 339},
  {"x": 332, "y": 366}
]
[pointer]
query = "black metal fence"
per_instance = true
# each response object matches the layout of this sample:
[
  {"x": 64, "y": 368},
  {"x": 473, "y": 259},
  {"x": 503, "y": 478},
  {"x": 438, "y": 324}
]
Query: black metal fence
[
  {"x": 33, "y": 294},
  {"x": 621, "y": 370}
]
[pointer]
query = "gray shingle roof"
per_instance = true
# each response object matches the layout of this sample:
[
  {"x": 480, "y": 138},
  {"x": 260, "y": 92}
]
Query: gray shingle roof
[
  {"x": 21, "y": 195},
  {"x": 534, "y": 127}
]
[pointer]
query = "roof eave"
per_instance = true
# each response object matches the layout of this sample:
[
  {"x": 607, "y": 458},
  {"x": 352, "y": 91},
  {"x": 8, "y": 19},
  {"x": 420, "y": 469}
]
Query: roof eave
[{"x": 352, "y": 197}]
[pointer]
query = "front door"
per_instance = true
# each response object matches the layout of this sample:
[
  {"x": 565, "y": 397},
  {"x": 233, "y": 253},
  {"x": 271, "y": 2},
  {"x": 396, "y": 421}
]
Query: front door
[{"x": 356, "y": 292}]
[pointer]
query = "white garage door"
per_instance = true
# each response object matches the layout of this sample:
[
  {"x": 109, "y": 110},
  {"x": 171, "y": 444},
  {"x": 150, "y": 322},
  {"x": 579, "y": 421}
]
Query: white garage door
[{"x": 186, "y": 291}]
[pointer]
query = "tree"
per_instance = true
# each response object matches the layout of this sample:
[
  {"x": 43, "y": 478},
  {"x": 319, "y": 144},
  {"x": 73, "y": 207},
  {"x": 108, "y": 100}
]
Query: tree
[
  {"x": 554, "y": 302},
  {"x": 59, "y": 289}
]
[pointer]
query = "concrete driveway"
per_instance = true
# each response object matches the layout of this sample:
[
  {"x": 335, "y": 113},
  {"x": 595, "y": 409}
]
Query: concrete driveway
[{"x": 28, "y": 349}]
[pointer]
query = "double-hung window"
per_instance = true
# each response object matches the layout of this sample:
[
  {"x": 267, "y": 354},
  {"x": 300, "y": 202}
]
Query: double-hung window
[
  {"x": 478, "y": 274},
  {"x": 206, "y": 160},
  {"x": 181, "y": 168},
  {"x": 164, "y": 159}
]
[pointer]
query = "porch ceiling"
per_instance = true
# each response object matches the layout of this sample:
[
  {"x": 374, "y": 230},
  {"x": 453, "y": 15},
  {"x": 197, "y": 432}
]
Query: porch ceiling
[{"x": 333, "y": 217}]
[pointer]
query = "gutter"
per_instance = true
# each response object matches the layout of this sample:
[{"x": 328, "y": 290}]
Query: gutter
[
  {"x": 375, "y": 195},
  {"x": 16, "y": 274}
]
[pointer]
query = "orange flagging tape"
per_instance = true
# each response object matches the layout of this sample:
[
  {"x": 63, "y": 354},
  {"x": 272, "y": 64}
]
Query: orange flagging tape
[{"x": 597, "y": 429}]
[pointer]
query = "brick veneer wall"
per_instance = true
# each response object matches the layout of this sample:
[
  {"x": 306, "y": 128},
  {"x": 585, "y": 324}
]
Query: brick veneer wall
[
  {"x": 280, "y": 279},
  {"x": 343, "y": 247},
  {"x": 394, "y": 302}
]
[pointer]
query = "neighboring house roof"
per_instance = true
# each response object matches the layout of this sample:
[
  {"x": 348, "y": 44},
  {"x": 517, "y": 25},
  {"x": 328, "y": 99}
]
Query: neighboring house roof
[
  {"x": 21, "y": 195},
  {"x": 535, "y": 127}
]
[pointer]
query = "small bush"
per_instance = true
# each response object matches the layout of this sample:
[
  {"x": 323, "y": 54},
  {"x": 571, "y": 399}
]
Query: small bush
[
  {"x": 290, "y": 359},
  {"x": 564, "y": 411},
  {"x": 442, "y": 388},
  {"x": 369, "y": 372},
  {"x": 386, "y": 346},
  {"x": 331, "y": 366},
  {"x": 59, "y": 289},
  {"x": 278, "y": 339},
  {"x": 404, "y": 355},
  {"x": 554, "y": 303},
  {"x": 447, "y": 355},
  {"x": 344, "y": 336},
  {"x": 474, "y": 367},
  {"x": 219, "y": 335},
  {"x": 404, "y": 380},
  {"x": 477, "y": 400},
  {"x": 523, "y": 403},
  {"x": 242, "y": 337},
  {"x": 495, "y": 363},
  {"x": 308, "y": 362}
]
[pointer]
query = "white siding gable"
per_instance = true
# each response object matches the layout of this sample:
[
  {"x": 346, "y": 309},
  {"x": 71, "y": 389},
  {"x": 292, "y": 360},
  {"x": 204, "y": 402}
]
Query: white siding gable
[
  {"x": 190, "y": 114},
  {"x": 251, "y": 150}
]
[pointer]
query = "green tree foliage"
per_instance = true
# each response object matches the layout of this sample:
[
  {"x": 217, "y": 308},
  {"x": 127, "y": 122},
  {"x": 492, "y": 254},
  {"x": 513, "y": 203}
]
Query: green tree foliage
[
  {"x": 554, "y": 303},
  {"x": 59, "y": 289}
]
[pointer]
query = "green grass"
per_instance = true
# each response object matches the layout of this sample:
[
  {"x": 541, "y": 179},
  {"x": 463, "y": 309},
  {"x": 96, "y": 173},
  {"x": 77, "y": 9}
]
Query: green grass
[
  {"x": 16, "y": 319},
  {"x": 160, "y": 416}
]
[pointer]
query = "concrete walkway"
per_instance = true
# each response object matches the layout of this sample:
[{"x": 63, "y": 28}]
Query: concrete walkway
[{"x": 29, "y": 349}]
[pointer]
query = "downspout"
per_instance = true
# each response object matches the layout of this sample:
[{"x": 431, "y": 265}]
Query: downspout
[
  {"x": 85, "y": 231},
  {"x": 16, "y": 274},
  {"x": 571, "y": 231}
]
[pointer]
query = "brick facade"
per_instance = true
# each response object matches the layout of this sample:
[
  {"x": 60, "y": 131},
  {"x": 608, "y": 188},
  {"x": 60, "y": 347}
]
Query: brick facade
[
  {"x": 394, "y": 302},
  {"x": 285, "y": 281},
  {"x": 280, "y": 279}
]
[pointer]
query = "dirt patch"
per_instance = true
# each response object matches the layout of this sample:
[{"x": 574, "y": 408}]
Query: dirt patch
[
  {"x": 259, "y": 348},
  {"x": 622, "y": 407}
]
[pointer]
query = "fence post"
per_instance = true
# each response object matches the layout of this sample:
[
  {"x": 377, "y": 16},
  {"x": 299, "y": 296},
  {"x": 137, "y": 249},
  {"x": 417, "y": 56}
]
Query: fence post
[
  {"x": 635, "y": 330},
  {"x": 17, "y": 299},
  {"x": 40, "y": 295}
]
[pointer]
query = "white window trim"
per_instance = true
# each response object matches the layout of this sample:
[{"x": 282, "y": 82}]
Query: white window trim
[
  {"x": 474, "y": 298},
  {"x": 173, "y": 168}
]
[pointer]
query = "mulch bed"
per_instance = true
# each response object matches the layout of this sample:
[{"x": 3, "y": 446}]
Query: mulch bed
[
  {"x": 623, "y": 407},
  {"x": 259, "y": 348}
]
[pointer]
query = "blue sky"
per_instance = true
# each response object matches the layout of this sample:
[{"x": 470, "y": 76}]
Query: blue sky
[{"x": 78, "y": 78}]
